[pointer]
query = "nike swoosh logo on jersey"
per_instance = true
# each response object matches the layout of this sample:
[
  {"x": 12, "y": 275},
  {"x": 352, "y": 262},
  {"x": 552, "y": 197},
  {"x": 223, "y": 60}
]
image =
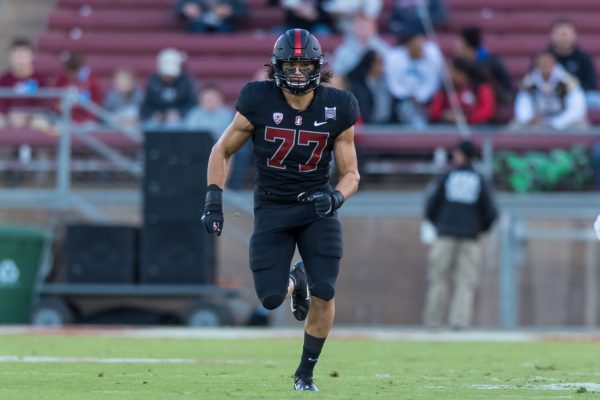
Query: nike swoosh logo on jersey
[{"x": 320, "y": 123}]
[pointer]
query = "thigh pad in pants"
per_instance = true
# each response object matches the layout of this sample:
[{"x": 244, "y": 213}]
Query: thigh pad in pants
[
  {"x": 321, "y": 248},
  {"x": 270, "y": 258}
]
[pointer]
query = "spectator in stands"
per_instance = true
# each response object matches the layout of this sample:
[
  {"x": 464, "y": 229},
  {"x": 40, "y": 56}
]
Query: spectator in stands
[
  {"x": 351, "y": 51},
  {"x": 405, "y": 14},
  {"x": 469, "y": 46},
  {"x": 211, "y": 15},
  {"x": 211, "y": 115},
  {"x": 550, "y": 96},
  {"x": 413, "y": 72},
  {"x": 78, "y": 76},
  {"x": 563, "y": 45},
  {"x": 344, "y": 11},
  {"x": 474, "y": 96},
  {"x": 461, "y": 207},
  {"x": 170, "y": 93},
  {"x": 22, "y": 77},
  {"x": 124, "y": 99},
  {"x": 309, "y": 15},
  {"x": 367, "y": 82}
]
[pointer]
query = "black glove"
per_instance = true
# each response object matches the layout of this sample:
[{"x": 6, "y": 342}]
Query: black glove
[
  {"x": 212, "y": 218},
  {"x": 325, "y": 203}
]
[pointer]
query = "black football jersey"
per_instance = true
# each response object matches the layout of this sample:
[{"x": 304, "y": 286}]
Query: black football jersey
[{"x": 293, "y": 149}]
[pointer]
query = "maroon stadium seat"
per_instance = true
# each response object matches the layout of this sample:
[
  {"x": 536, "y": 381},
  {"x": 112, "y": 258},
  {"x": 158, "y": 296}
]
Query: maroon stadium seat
[
  {"x": 424, "y": 143},
  {"x": 154, "y": 20},
  {"x": 234, "y": 45},
  {"x": 202, "y": 67},
  {"x": 523, "y": 22},
  {"x": 531, "y": 5},
  {"x": 114, "y": 20},
  {"x": 16, "y": 137},
  {"x": 135, "y": 4},
  {"x": 112, "y": 4}
]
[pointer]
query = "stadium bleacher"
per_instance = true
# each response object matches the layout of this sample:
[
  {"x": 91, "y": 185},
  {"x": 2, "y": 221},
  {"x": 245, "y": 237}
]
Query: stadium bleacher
[{"x": 129, "y": 33}]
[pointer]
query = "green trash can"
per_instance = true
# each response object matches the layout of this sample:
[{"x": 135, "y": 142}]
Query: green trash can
[{"x": 23, "y": 250}]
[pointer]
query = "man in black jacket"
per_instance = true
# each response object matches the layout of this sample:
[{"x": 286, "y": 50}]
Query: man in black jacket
[
  {"x": 563, "y": 44},
  {"x": 461, "y": 207},
  {"x": 170, "y": 93}
]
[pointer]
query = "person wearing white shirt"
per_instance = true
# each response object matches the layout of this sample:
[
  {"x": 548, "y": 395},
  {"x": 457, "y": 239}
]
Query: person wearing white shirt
[
  {"x": 550, "y": 96},
  {"x": 343, "y": 11},
  {"x": 413, "y": 72}
]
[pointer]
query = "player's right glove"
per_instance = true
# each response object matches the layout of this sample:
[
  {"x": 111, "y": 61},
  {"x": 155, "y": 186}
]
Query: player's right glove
[
  {"x": 212, "y": 218},
  {"x": 325, "y": 203}
]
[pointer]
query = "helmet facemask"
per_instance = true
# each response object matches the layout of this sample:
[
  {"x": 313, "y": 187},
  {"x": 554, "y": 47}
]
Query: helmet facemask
[{"x": 286, "y": 78}]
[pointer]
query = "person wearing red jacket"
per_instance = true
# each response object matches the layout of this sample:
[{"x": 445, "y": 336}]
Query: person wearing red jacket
[
  {"x": 79, "y": 76},
  {"x": 475, "y": 96}
]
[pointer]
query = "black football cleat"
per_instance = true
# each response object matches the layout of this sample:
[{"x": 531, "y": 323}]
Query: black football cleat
[
  {"x": 300, "y": 299},
  {"x": 305, "y": 383}
]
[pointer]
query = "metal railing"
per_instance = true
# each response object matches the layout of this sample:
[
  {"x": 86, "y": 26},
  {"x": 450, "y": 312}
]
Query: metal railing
[{"x": 62, "y": 196}]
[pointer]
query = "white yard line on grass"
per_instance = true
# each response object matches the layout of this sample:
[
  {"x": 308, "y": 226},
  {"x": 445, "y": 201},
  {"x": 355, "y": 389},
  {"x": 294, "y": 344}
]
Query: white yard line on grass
[
  {"x": 96, "y": 360},
  {"x": 37, "y": 359}
]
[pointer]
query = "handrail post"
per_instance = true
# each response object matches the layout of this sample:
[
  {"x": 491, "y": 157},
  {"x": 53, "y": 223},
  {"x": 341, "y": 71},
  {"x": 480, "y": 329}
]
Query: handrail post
[
  {"x": 487, "y": 153},
  {"x": 509, "y": 282},
  {"x": 63, "y": 158}
]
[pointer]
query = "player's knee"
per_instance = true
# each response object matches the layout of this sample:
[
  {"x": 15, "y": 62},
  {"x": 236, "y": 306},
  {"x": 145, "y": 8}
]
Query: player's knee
[
  {"x": 323, "y": 291},
  {"x": 273, "y": 301}
]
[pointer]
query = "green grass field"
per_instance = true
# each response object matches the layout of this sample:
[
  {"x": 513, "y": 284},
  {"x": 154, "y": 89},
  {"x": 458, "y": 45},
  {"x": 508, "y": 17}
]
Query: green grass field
[{"x": 210, "y": 369}]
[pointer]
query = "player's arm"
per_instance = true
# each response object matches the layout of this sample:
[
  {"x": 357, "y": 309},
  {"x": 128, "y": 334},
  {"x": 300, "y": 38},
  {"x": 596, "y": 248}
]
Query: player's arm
[
  {"x": 346, "y": 162},
  {"x": 233, "y": 138}
]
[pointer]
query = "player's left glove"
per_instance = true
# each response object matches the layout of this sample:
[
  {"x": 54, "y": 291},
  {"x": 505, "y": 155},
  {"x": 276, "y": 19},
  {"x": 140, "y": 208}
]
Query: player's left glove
[
  {"x": 325, "y": 203},
  {"x": 212, "y": 217}
]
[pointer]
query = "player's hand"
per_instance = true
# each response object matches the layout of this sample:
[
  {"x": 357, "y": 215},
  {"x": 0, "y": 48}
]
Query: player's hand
[
  {"x": 212, "y": 218},
  {"x": 597, "y": 227},
  {"x": 325, "y": 203},
  {"x": 213, "y": 222}
]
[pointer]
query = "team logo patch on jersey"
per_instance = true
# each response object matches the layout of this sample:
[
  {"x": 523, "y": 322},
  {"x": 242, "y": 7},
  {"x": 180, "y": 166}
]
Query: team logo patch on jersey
[
  {"x": 277, "y": 117},
  {"x": 298, "y": 120},
  {"x": 330, "y": 112}
]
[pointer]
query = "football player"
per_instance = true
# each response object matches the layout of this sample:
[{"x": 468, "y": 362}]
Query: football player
[{"x": 296, "y": 126}]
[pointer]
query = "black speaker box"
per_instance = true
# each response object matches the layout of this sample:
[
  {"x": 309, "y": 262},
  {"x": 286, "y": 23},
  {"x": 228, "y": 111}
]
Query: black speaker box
[
  {"x": 172, "y": 147},
  {"x": 175, "y": 175},
  {"x": 177, "y": 253},
  {"x": 173, "y": 209},
  {"x": 101, "y": 253}
]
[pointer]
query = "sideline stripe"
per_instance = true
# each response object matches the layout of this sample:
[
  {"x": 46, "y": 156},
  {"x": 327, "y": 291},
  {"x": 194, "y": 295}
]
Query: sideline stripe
[
  {"x": 68, "y": 360},
  {"x": 96, "y": 360}
]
